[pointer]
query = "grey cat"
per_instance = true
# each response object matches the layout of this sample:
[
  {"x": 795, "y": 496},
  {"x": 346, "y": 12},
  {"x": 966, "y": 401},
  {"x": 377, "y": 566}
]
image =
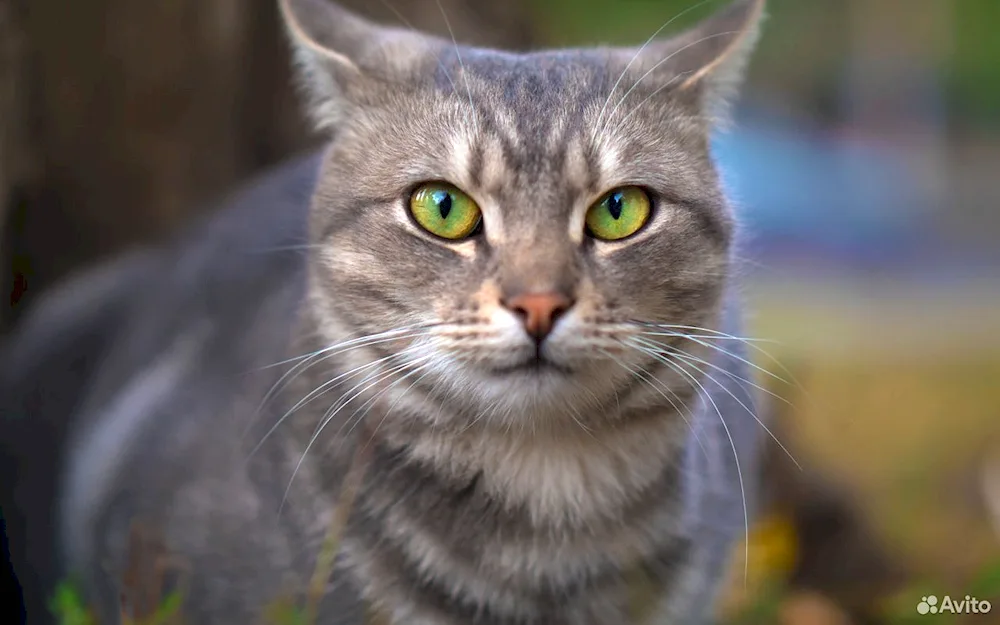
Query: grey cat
[{"x": 483, "y": 327}]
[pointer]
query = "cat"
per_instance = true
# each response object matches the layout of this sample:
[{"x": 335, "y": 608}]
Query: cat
[{"x": 483, "y": 328}]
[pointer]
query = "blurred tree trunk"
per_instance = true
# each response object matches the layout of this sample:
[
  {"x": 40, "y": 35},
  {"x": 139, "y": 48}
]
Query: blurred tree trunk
[
  {"x": 16, "y": 157},
  {"x": 135, "y": 114}
]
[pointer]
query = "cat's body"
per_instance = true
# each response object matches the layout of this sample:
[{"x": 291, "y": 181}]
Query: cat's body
[{"x": 491, "y": 494}]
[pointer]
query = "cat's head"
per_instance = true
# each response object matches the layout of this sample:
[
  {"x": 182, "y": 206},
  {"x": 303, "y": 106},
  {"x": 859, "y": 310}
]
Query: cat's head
[{"x": 519, "y": 222}]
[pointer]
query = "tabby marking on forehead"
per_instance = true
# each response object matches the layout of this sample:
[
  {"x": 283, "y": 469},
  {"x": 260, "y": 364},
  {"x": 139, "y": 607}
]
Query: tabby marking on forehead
[
  {"x": 493, "y": 178},
  {"x": 556, "y": 137},
  {"x": 506, "y": 124},
  {"x": 577, "y": 173},
  {"x": 460, "y": 156},
  {"x": 608, "y": 159}
]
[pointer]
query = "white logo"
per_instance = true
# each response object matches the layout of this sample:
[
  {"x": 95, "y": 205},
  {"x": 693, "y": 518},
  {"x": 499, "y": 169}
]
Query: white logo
[{"x": 946, "y": 605}]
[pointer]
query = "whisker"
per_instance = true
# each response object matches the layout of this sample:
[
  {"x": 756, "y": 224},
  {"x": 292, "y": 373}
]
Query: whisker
[
  {"x": 594, "y": 402},
  {"x": 327, "y": 418},
  {"x": 646, "y": 376},
  {"x": 736, "y": 459},
  {"x": 732, "y": 375},
  {"x": 739, "y": 339},
  {"x": 398, "y": 399},
  {"x": 746, "y": 260},
  {"x": 347, "y": 398},
  {"x": 639, "y": 52},
  {"x": 724, "y": 351},
  {"x": 482, "y": 413},
  {"x": 678, "y": 353},
  {"x": 289, "y": 248},
  {"x": 712, "y": 331},
  {"x": 371, "y": 402},
  {"x": 465, "y": 74},
  {"x": 658, "y": 64},
  {"x": 343, "y": 348},
  {"x": 574, "y": 414},
  {"x": 321, "y": 390},
  {"x": 751, "y": 343},
  {"x": 649, "y": 379},
  {"x": 310, "y": 396},
  {"x": 348, "y": 342},
  {"x": 328, "y": 352},
  {"x": 649, "y": 97},
  {"x": 444, "y": 69}
]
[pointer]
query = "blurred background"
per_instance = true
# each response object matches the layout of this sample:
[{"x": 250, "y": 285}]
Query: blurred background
[{"x": 865, "y": 161}]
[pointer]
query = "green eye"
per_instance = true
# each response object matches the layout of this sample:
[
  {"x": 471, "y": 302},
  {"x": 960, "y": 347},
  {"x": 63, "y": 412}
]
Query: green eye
[
  {"x": 443, "y": 210},
  {"x": 619, "y": 214}
]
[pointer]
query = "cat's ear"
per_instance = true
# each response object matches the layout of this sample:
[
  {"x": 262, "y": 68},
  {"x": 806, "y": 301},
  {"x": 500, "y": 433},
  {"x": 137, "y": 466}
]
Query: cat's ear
[
  {"x": 707, "y": 61},
  {"x": 339, "y": 55}
]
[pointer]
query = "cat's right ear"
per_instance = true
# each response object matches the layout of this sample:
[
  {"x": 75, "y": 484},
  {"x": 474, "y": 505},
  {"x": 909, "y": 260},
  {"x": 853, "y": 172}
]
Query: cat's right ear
[{"x": 339, "y": 55}]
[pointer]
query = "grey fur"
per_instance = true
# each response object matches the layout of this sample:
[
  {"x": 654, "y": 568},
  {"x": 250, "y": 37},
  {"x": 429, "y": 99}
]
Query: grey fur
[{"x": 488, "y": 498}]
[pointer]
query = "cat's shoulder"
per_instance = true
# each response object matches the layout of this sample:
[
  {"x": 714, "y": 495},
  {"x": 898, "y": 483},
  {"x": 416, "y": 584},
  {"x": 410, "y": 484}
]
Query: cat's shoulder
[
  {"x": 228, "y": 258},
  {"x": 85, "y": 341}
]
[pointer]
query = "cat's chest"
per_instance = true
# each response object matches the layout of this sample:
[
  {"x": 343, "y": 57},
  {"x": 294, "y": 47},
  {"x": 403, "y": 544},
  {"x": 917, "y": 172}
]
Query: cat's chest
[
  {"x": 564, "y": 480},
  {"x": 521, "y": 531}
]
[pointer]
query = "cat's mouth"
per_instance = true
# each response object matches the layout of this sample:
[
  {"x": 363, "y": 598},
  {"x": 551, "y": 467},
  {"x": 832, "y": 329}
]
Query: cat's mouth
[{"x": 536, "y": 365}]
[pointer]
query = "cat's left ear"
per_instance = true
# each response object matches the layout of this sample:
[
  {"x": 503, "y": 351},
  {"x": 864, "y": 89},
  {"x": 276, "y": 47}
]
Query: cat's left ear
[
  {"x": 707, "y": 61},
  {"x": 341, "y": 55}
]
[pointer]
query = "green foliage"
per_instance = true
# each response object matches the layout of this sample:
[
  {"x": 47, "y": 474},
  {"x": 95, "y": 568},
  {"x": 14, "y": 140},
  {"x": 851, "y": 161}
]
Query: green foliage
[
  {"x": 987, "y": 583},
  {"x": 287, "y": 613},
  {"x": 167, "y": 611},
  {"x": 764, "y": 609},
  {"x": 974, "y": 71},
  {"x": 69, "y": 608}
]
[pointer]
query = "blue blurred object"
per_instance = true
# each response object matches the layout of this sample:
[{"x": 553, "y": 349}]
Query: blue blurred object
[{"x": 807, "y": 191}]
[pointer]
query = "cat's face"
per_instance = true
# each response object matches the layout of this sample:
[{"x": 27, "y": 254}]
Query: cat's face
[{"x": 572, "y": 204}]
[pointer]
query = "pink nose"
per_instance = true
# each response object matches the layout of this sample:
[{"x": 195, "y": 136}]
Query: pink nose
[{"x": 539, "y": 311}]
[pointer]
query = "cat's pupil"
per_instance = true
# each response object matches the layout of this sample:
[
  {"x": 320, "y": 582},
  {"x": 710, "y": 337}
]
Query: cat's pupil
[
  {"x": 615, "y": 205},
  {"x": 443, "y": 200}
]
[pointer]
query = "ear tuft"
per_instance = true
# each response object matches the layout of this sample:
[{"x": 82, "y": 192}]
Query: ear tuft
[
  {"x": 322, "y": 71},
  {"x": 338, "y": 53},
  {"x": 731, "y": 36},
  {"x": 711, "y": 57}
]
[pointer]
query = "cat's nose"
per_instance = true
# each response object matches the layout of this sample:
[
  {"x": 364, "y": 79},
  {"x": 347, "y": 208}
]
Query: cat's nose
[{"x": 539, "y": 311}]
